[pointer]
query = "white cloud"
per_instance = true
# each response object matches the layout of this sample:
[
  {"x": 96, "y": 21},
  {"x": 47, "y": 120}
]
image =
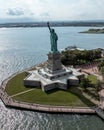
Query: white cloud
[
  {"x": 52, "y": 9},
  {"x": 15, "y": 12}
]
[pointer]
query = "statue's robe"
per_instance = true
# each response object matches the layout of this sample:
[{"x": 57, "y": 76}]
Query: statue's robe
[{"x": 53, "y": 38}]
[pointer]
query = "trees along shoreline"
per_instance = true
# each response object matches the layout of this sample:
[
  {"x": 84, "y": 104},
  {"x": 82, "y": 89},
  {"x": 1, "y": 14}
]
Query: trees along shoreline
[{"x": 79, "y": 57}]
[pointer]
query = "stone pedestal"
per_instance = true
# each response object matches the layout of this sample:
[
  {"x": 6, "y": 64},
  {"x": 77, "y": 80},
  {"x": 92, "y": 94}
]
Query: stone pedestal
[{"x": 54, "y": 64}]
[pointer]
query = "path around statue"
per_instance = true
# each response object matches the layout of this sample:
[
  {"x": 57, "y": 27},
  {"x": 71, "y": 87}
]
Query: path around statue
[
  {"x": 101, "y": 95},
  {"x": 22, "y": 92}
]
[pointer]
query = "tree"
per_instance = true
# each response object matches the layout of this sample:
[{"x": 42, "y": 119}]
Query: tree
[
  {"x": 102, "y": 71},
  {"x": 98, "y": 85},
  {"x": 101, "y": 64},
  {"x": 85, "y": 83},
  {"x": 78, "y": 57}
]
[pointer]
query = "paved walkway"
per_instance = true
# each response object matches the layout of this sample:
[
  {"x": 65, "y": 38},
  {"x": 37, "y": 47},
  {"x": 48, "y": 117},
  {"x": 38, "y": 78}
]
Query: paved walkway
[
  {"x": 91, "y": 68},
  {"x": 100, "y": 108},
  {"x": 91, "y": 98},
  {"x": 99, "y": 112},
  {"x": 22, "y": 92},
  {"x": 101, "y": 95},
  {"x": 8, "y": 101}
]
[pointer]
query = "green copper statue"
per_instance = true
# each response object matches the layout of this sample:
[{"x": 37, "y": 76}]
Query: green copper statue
[{"x": 53, "y": 39}]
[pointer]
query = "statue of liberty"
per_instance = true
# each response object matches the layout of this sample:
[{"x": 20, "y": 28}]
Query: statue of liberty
[{"x": 53, "y": 39}]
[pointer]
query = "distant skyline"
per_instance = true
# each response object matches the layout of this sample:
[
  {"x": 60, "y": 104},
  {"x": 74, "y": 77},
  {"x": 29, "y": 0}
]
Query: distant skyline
[{"x": 50, "y": 10}]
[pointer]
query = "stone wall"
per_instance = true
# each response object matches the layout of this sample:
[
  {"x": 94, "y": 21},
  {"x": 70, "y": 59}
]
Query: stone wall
[
  {"x": 74, "y": 82},
  {"x": 48, "y": 87},
  {"x": 32, "y": 83}
]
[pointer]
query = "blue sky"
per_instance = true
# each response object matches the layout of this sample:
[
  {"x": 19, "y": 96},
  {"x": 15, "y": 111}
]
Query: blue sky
[{"x": 47, "y": 10}]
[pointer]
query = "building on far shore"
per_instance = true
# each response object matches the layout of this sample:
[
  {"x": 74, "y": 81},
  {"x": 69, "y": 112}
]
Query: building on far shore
[{"x": 53, "y": 74}]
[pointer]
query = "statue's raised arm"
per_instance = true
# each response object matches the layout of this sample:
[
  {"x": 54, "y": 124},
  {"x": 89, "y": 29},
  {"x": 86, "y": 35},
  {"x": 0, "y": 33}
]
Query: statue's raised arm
[{"x": 48, "y": 26}]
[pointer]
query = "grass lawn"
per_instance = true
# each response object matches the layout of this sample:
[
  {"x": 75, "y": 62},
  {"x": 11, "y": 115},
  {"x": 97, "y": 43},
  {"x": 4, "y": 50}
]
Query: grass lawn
[
  {"x": 91, "y": 91},
  {"x": 56, "y": 97},
  {"x": 71, "y": 97},
  {"x": 15, "y": 85},
  {"x": 93, "y": 79}
]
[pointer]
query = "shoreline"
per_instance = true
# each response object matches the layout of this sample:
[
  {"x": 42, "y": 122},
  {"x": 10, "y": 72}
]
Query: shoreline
[
  {"x": 11, "y": 103},
  {"x": 94, "y": 31},
  {"x": 53, "y": 24}
]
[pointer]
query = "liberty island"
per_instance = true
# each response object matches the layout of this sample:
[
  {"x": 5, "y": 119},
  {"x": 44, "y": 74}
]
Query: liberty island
[{"x": 46, "y": 70}]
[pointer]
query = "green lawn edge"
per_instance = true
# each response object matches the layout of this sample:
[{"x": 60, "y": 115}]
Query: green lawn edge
[{"x": 71, "y": 97}]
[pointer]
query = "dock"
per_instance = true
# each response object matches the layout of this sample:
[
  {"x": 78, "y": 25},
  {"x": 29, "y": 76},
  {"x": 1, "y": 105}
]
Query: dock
[
  {"x": 100, "y": 109},
  {"x": 99, "y": 112}
]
